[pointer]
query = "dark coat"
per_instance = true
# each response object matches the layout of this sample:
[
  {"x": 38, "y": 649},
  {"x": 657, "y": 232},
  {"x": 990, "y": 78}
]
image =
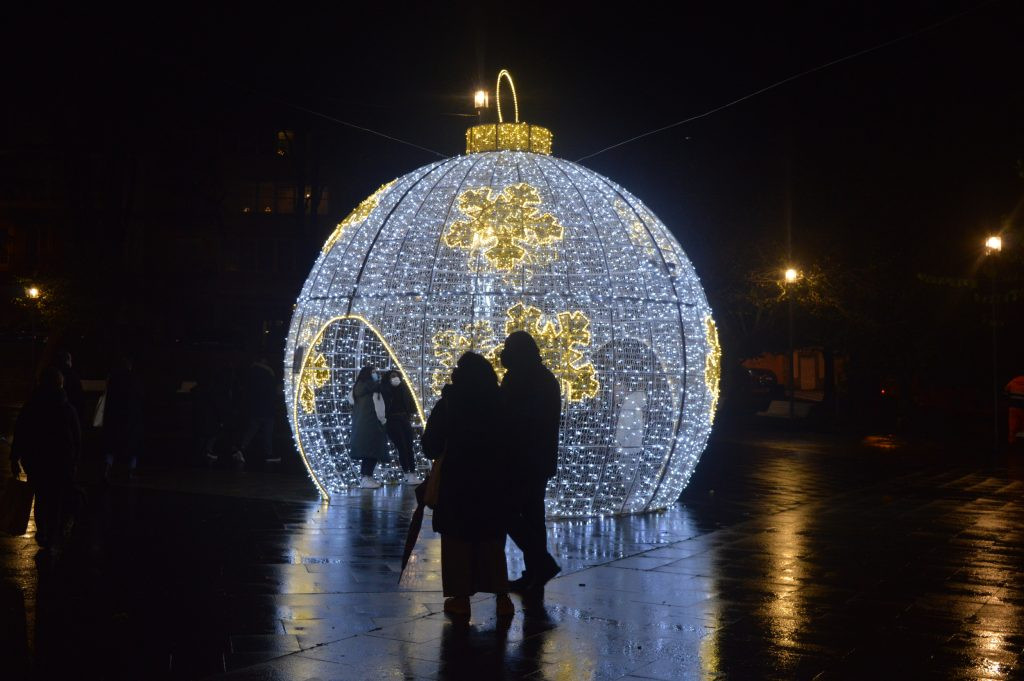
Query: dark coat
[
  {"x": 398, "y": 400},
  {"x": 532, "y": 403},
  {"x": 124, "y": 412},
  {"x": 259, "y": 396},
  {"x": 369, "y": 440},
  {"x": 467, "y": 429},
  {"x": 47, "y": 437}
]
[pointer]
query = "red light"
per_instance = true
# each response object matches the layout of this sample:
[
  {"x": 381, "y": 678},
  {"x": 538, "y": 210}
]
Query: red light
[{"x": 883, "y": 391}]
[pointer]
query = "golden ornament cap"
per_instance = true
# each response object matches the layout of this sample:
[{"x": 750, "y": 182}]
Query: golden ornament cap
[{"x": 512, "y": 136}]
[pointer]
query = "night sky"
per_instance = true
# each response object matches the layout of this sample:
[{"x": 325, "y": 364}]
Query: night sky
[{"x": 911, "y": 150}]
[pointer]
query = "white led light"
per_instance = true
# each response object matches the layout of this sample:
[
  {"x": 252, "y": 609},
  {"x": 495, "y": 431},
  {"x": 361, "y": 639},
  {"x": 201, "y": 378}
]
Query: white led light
[{"x": 410, "y": 281}]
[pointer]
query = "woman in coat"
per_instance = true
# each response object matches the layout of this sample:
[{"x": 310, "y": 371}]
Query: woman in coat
[
  {"x": 369, "y": 440},
  {"x": 400, "y": 410},
  {"x": 471, "y": 512}
]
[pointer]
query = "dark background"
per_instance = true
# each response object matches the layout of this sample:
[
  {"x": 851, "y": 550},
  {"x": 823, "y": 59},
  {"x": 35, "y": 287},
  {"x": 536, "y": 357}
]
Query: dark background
[{"x": 127, "y": 139}]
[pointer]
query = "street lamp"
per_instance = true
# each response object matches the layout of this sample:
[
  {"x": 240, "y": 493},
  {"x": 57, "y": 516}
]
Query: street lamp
[
  {"x": 33, "y": 293},
  {"x": 993, "y": 247},
  {"x": 790, "y": 276}
]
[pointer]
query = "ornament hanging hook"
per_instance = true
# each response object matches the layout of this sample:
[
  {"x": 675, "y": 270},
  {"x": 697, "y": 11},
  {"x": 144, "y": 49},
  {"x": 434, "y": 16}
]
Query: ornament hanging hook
[{"x": 497, "y": 94}]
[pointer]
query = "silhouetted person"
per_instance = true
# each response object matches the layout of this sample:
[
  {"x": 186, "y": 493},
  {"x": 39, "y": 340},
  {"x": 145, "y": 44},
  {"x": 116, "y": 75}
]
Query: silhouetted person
[
  {"x": 258, "y": 400},
  {"x": 471, "y": 515},
  {"x": 532, "y": 402},
  {"x": 369, "y": 440},
  {"x": 123, "y": 417},
  {"x": 399, "y": 409},
  {"x": 72, "y": 384},
  {"x": 48, "y": 443},
  {"x": 211, "y": 409}
]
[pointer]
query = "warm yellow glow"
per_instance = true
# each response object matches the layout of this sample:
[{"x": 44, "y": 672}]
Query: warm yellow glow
[
  {"x": 497, "y": 94},
  {"x": 33, "y": 292},
  {"x": 314, "y": 376},
  {"x": 450, "y": 344},
  {"x": 481, "y": 99},
  {"x": 505, "y": 228},
  {"x": 511, "y": 136},
  {"x": 994, "y": 243},
  {"x": 712, "y": 363},
  {"x": 561, "y": 340},
  {"x": 791, "y": 275},
  {"x": 357, "y": 216}
]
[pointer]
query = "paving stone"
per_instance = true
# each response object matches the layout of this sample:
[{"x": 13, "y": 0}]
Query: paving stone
[{"x": 788, "y": 557}]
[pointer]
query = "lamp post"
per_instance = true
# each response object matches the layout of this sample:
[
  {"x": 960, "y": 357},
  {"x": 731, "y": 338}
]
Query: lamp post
[
  {"x": 790, "y": 276},
  {"x": 33, "y": 293},
  {"x": 993, "y": 247}
]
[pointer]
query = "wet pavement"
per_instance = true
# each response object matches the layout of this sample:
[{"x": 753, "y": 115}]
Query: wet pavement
[{"x": 787, "y": 558}]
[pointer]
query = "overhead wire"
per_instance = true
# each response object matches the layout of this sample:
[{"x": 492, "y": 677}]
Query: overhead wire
[{"x": 789, "y": 79}]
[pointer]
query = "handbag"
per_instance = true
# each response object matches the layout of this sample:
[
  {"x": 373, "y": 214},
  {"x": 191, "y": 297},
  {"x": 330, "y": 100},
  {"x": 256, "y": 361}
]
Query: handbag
[
  {"x": 432, "y": 495},
  {"x": 15, "y": 506}
]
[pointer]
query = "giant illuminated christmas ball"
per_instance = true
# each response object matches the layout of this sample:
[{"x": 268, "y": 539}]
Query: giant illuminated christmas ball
[{"x": 457, "y": 254}]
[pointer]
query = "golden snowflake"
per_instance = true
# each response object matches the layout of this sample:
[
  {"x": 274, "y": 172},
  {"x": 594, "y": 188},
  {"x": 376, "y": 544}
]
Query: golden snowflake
[
  {"x": 561, "y": 340},
  {"x": 315, "y": 375},
  {"x": 450, "y": 344},
  {"x": 506, "y": 228},
  {"x": 357, "y": 216}
]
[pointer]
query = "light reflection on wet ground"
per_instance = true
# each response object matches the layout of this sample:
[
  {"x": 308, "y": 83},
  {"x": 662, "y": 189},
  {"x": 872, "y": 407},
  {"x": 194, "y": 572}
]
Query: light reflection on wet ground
[{"x": 787, "y": 558}]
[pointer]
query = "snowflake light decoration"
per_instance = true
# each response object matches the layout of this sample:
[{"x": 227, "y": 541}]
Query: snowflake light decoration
[
  {"x": 505, "y": 227},
  {"x": 457, "y": 254}
]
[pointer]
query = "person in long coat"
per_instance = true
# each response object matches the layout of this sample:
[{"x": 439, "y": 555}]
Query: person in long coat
[
  {"x": 400, "y": 408},
  {"x": 123, "y": 417},
  {"x": 48, "y": 443},
  {"x": 369, "y": 440},
  {"x": 532, "y": 401},
  {"x": 471, "y": 515}
]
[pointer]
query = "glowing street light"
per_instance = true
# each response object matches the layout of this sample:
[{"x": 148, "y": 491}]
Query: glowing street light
[
  {"x": 993, "y": 246},
  {"x": 789, "y": 277},
  {"x": 481, "y": 100},
  {"x": 33, "y": 292}
]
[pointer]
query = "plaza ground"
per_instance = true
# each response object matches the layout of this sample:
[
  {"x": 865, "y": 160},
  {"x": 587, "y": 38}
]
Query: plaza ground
[{"x": 789, "y": 556}]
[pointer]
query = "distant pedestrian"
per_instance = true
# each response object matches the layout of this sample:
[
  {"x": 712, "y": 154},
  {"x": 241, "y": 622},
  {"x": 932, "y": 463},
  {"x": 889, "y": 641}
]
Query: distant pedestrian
[
  {"x": 72, "y": 384},
  {"x": 1015, "y": 395},
  {"x": 48, "y": 443},
  {"x": 465, "y": 433},
  {"x": 123, "y": 417},
  {"x": 258, "y": 400},
  {"x": 211, "y": 410},
  {"x": 532, "y": 402},
  {"x": 399, "y": 410},
  {"x": 369, "y": 441}
]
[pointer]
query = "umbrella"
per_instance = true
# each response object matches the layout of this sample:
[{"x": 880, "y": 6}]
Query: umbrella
[{"x": 414, "y": 526}]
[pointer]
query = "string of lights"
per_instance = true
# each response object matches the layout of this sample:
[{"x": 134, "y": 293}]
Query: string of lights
[{"x": 457, "y": 254}]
